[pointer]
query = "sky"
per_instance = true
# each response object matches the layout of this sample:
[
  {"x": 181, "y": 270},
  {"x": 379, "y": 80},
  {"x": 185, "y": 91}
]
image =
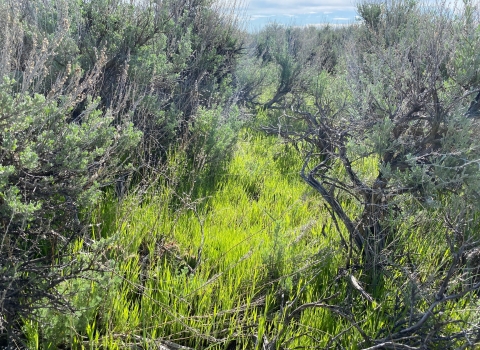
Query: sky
[{"x": 298, "y": 12}]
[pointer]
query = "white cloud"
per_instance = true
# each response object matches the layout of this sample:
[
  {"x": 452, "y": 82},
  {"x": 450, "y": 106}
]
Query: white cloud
[
  {"x": 261, "y": 16},
  {"x": 298, "y": 12},
  {"x": 297, "y": 6}
]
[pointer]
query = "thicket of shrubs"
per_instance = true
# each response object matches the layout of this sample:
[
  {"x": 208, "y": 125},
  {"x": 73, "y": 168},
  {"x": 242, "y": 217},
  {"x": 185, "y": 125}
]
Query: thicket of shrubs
[
  {"x": 103, "y": 95},
  {"x": 93, "y": 95}
]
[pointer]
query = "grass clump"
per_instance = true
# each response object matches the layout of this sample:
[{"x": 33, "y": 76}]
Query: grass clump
[
  {"x": 257, "y": 263},
  {"x": 214, "y": 272}
]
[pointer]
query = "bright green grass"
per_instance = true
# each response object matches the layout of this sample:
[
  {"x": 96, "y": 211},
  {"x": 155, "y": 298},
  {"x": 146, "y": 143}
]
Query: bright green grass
[
  {"x": 218, "y": 270},
  {"x": 225, "y": 271}
]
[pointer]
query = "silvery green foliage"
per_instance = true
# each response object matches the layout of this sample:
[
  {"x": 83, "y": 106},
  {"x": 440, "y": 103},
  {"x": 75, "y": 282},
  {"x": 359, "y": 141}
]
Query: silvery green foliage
[
  {"x": 80, "y": 79},
  {"x": 178, "y": 55},
  {"x": 43, "y": 155},
  {"x": 410, "y": 95},
  {"x": 402, "y": 105},
  {"x": 52, "y": 168},
  {"x": 415, "y": 98},
  {"x": 283, "y": 61}
]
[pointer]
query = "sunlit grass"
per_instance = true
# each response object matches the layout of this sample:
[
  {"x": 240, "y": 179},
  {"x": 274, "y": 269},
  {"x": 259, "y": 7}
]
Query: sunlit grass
[
  {"x": 226, "y": 271},
  {"x": 218, "y": 269}
]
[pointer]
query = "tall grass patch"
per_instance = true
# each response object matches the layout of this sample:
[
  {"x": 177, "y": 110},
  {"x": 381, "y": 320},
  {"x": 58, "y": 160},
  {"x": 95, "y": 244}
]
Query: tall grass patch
[{"x": 213, "y": 271}]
